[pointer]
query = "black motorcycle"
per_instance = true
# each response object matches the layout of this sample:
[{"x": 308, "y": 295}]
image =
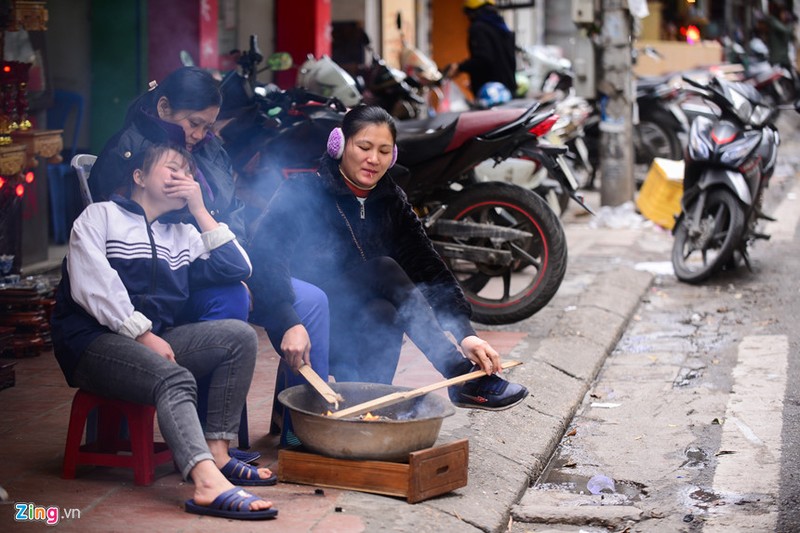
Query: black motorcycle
[
  {"x": 503, "y": 242},
  {"x": 729, "y": 162}
]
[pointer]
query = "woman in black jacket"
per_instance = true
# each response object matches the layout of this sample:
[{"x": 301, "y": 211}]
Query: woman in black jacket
[
  {"x": 181, "y": 110},
  {"x": 349, "y": 230}
]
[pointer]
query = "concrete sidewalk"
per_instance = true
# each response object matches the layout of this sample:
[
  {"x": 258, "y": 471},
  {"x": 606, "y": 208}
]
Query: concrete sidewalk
[{"x": 562, "y": 346}]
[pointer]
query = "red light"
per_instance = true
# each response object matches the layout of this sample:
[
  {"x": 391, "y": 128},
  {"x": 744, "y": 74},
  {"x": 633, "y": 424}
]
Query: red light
[
  {"x": 6, "y": 68},
  {"x": 692, "y": 34},
  {"x": 19, "y": 190},
  {"x": 2, "y": 182},
  {"x": 29, "y": 177},
  {"x": 544, "y": 126}
]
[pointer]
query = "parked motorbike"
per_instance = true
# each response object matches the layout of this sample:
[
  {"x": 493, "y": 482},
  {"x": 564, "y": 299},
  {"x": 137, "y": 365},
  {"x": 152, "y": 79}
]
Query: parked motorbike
[
  {"x": 729, "y": 162},
  {"x": 488, "y": 231},
  {"x": 661, "y": 122},
  {"x": 542, "y": 69},
  {"x": 777, "y": 84},
  {"x": 505, "y": 245},
  {"x": 574, "y": 114}
]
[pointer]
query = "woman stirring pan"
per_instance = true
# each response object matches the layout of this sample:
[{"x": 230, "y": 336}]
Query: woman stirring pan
[{"x": 350, "y": 230}]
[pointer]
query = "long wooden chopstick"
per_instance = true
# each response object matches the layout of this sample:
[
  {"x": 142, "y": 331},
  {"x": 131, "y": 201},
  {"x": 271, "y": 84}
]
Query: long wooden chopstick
[
  {"x": 396, "y": 397},
  {"x": 330, "y": 395}
]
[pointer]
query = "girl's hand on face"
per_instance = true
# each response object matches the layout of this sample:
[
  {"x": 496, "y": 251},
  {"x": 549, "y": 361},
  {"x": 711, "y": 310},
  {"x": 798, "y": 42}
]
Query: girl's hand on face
[
  {"x": 157, "y": 344},
  {"x": 181, "y": 184}
]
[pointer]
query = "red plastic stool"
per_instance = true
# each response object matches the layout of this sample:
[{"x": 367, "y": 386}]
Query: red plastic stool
[{"x": 141, "y": 453}]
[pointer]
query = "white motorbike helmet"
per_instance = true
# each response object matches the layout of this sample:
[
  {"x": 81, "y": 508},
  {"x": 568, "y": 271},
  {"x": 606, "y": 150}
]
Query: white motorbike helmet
[
  {"x": 419, "y": 66},
  {"x": 324, "y": 77}
]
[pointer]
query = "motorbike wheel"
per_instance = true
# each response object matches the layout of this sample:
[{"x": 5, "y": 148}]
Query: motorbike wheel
[
  {"x": 698, "y": 252},
  {"x": 654, "y": 140},
  {"x": 507, "y": 294}
]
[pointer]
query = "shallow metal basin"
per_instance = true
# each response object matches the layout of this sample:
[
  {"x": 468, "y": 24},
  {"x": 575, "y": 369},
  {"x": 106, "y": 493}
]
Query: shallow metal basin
[{"x": 410, "y": 425}]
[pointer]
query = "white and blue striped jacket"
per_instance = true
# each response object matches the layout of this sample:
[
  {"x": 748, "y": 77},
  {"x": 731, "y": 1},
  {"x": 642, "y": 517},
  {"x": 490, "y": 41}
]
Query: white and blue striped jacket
[{"x": 125, "y": 276}]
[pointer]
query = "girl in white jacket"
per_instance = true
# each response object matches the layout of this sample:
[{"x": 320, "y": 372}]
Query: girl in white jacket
[{"x": 129, "y": 270}]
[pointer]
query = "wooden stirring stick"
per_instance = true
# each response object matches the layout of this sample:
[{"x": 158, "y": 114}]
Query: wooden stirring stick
[
  {"x": 321, "y": 386},
  {"x": 396, "y": 397}
]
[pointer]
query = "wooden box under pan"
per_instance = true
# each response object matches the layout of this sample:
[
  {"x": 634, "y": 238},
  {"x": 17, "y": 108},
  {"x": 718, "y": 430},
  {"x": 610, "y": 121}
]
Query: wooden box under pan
[{"x": 428, "y": 473}]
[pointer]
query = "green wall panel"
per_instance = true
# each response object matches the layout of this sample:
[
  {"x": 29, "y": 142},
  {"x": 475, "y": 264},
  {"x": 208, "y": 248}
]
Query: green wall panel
[{"x": 119, "y": 56}]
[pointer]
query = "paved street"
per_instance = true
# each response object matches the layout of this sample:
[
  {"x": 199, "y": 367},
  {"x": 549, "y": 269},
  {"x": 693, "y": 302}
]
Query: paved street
[{"x": 691, "y": 424}]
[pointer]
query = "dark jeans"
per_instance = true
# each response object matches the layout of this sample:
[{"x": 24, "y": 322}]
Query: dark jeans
[
  {"x": 371, "y": 308},
  {"x": 221, "y": 351}
]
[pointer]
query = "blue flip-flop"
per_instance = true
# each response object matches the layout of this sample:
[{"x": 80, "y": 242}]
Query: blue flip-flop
[
  {"x": 240, "y": 473},
  {"x": 233, "y": 503}
]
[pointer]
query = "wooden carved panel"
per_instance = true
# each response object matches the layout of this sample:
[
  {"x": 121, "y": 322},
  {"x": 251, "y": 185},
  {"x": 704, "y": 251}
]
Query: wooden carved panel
[
  {"x": 12, "y": 159},
  {"x": 30, "y": 15},
  {"x": 40, "y": 143}
]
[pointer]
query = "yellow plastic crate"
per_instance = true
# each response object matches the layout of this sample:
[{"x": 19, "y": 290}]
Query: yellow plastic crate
[{"x": 659, "y": 198}]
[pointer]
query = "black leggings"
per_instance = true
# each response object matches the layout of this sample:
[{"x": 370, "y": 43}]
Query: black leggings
[{"x": 371, "y": 307}]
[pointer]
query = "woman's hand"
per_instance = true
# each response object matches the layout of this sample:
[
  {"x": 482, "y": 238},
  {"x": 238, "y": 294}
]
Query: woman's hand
[
  {"x": 157, "y": 344},
  {"x": 482, "y": 354},
  {"x": 182, "y": 185},
  {"x": 296, "y": 347}
]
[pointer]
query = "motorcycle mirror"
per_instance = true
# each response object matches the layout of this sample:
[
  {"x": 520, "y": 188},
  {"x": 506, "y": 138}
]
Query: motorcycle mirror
[{"x": 280, "y": 61}]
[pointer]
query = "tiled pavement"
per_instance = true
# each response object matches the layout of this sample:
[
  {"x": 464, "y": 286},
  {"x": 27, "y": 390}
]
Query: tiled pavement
[{"x": 34, "y": 416}]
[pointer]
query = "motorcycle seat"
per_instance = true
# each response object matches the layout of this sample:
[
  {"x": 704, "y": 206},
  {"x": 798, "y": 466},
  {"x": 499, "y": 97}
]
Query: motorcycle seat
[{"x": 418, "y": 140}]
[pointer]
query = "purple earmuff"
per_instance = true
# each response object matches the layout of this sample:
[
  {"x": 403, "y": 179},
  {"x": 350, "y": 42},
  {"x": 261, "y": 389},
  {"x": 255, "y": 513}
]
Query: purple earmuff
[
  {"x": 336, "y": 143},
  {"x": 336, "y": 146}
]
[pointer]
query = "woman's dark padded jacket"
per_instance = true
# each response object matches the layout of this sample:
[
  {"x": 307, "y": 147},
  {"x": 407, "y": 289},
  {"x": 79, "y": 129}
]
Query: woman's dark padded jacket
[
  {"x": 303, "y": 235},
  {"x": 124, "y": 152}
]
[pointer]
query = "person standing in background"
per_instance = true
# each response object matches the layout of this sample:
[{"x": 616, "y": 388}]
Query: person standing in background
[{"x": 492, "y": 51}]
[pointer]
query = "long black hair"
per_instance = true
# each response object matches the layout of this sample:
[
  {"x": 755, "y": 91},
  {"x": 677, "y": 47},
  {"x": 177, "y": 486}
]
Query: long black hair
[{"x": 186, "y": 89}]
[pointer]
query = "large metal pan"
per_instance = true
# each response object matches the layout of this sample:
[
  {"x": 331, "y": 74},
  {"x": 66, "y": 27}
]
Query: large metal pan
[{"x": 409, "y": 425}]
